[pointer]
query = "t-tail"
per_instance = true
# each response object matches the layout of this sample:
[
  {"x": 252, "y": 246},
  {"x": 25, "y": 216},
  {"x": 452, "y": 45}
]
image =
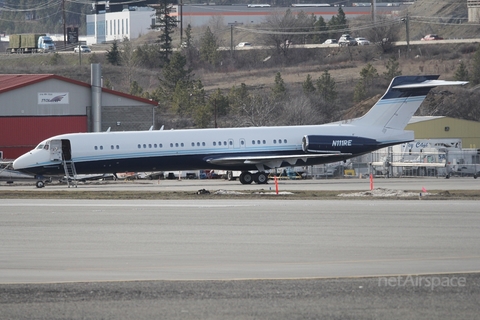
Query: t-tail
[{"x": 402, "y": 99}]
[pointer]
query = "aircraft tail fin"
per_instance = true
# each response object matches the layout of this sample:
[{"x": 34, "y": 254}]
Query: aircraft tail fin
[{"x": 402, "y": 99}]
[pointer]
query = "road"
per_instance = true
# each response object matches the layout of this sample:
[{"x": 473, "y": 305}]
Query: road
[{"x": 243, "y": 259}]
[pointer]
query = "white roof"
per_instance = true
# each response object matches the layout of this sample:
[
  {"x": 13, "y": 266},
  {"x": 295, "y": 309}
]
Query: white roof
[{"x": 416, "y": 119}]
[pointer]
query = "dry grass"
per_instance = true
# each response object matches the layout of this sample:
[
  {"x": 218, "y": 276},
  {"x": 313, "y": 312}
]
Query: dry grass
[{"x": 185, "y": 195}]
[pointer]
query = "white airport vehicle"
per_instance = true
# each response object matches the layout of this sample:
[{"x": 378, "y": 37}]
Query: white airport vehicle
[{"x": 244, "y": 149}]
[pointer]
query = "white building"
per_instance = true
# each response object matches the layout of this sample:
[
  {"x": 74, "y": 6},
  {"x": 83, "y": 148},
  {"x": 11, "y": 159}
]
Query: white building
[{"x": 129, "y": 23}]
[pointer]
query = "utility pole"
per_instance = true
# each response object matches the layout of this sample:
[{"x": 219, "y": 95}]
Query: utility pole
[
  {"x": 64, "y": 26},
  {"x": 407, "y": 26},
  {"x": 374, "y": 11},
  {"x": 181, "y": 22}
]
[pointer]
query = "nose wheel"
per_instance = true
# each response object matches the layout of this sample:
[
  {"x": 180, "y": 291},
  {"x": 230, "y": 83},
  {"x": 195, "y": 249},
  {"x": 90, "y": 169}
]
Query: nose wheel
[{"x": 40, "y": 184}]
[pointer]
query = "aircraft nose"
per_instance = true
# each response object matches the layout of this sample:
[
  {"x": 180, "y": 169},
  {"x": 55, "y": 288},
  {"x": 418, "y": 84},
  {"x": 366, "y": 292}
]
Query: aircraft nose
[{"x": 22, "y": 162}]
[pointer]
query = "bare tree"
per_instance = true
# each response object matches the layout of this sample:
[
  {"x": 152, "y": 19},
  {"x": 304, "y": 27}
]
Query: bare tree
[{"x": 281, "y": 30}]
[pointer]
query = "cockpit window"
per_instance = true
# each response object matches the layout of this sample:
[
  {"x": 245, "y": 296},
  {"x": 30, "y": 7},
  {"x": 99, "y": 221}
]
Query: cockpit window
[{"x": 40, "y": 146}]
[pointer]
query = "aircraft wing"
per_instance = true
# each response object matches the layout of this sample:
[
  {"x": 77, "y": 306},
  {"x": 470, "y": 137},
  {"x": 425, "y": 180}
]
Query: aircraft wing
[
  {"x": 270, "y": 161},
  {"x": 411, "y": 164}
]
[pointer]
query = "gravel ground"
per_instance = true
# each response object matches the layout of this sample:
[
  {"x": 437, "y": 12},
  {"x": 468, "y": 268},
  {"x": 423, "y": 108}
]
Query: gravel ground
[{"x": 407, "y": 297}]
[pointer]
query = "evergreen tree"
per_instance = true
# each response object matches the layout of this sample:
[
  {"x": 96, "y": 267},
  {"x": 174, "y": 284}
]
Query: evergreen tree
[
  {"x": 338, "y": 24},
  {"x": 327, "y": 88},
  {"x": 461, "y": 74},
  {"x": 188, "y": 36},
  {"x": 320, "y": 26},
  {"x": 307, "y": 85},
  {"x": 279, "y": 90},
  {"x": 238, "y": 98},
  {"x": 174, "y": 72},
  {"x": 359, "y": 93},
  {"x": 366, "y": 82},
  {"x": 167, "y": 24},
  {"x": 393, "y": 69},
  {"x": 113, "y": 55},
  {"x": 368, "y": 75},
  {"x": 135, "y": 89},
  {"x": 209, "y": 48}
]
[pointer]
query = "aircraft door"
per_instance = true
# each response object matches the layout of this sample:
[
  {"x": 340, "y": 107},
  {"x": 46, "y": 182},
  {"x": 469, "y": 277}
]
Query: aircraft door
[
  {"x": 67, "y": 150},
  {"x": 56, "y": 150}
]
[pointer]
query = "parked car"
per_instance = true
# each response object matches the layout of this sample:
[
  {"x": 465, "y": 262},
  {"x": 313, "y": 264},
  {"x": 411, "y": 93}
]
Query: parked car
[
  {"x": 362, "y": 41},
  {"x": 244, "y": 44},
  {"x": 82, "y": 48},
  {"x": 429, "y": 37},
  {"x": 331, "y": 41},
  {"x": 346, "y": 40}
]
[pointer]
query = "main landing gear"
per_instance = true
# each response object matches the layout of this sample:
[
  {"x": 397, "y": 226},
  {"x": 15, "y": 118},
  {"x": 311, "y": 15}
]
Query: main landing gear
[{"x": 248, "y": 177}]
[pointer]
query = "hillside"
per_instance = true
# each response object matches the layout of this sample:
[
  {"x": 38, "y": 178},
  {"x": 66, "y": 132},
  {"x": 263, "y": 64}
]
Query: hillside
[{"x": 258, "y": 73}]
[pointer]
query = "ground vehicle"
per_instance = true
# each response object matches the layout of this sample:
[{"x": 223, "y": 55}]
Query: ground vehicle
[
  {"x": 244, "y": 44},
  {"x": 331, "y": 41},
  {"x": 82, "y": 48},
  {"x": 346, "y": 40},
  {"x": 362, "y": 41},
  {"x": 432, "y": 36},
  {"x": 30, "y": 43}
]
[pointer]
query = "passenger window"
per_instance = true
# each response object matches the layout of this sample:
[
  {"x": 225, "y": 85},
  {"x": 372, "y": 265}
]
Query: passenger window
[
  {"x": 214, "y": 143},
  {"x": 161, "y": 145},
  {"x": 176, "y": 144},
  {"x": 284, "y": 140},
  {"x": 193, "y": 144},
  {"x": 144, "y": 146},
  {"x": 230, "y": 142},
  {"x": 112, "y": 147},
  {"x": 242, "y": 142},
  {"x": 139, "y": 146},
  {"x": 118, "y": 147},
  {"x": 279, "y": 140},
  {"x": 96, "y": 148},
  {"x": 171, "y": 145},
  {"x": 101, "y": 147},
  {"x": 150, "y": 145},
  {"x": 274, "y": 141},
  {"x": 182, "y": 145},
  {"x": 253, "y": 141},
  {"x": 264, "y": 142},
  {"x": 203, "y": 144}
]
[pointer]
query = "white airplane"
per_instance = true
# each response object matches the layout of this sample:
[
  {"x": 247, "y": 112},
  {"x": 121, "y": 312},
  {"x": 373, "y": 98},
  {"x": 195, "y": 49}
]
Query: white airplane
[{"x": 244, "y": 149}]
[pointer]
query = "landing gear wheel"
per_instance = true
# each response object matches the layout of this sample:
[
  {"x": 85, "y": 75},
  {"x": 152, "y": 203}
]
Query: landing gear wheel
[
  {"x": 40, "y": 184},
  {"x": 261, "y": 178},
  {"x": 230, "y": 176},
  {"x": 447, "y": 176},
  {"x": 246, "y": 178}
]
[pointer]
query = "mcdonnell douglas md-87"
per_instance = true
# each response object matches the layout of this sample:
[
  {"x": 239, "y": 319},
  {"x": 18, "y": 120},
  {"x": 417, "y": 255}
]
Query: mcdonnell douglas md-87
[{"x": 244, "y": 149}]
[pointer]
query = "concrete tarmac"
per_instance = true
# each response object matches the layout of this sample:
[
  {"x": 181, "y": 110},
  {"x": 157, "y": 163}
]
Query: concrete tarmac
[
  {"x": 125, "y": 240},
  {"x": 242, "y": 259}
]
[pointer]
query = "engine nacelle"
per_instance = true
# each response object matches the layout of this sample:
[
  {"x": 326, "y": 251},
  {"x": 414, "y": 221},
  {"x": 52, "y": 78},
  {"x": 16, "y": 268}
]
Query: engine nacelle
[{"x": 338, "y": 144}]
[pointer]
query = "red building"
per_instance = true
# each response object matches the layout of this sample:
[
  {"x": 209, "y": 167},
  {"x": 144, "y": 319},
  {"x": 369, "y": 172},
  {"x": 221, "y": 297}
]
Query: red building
[{"x": 37, "y": 106}]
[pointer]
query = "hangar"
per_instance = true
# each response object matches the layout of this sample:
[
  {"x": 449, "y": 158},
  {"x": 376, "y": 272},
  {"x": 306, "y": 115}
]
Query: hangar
[
  {"x": 440, "y": 127},
  {"x": 37, "y": 106}
]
